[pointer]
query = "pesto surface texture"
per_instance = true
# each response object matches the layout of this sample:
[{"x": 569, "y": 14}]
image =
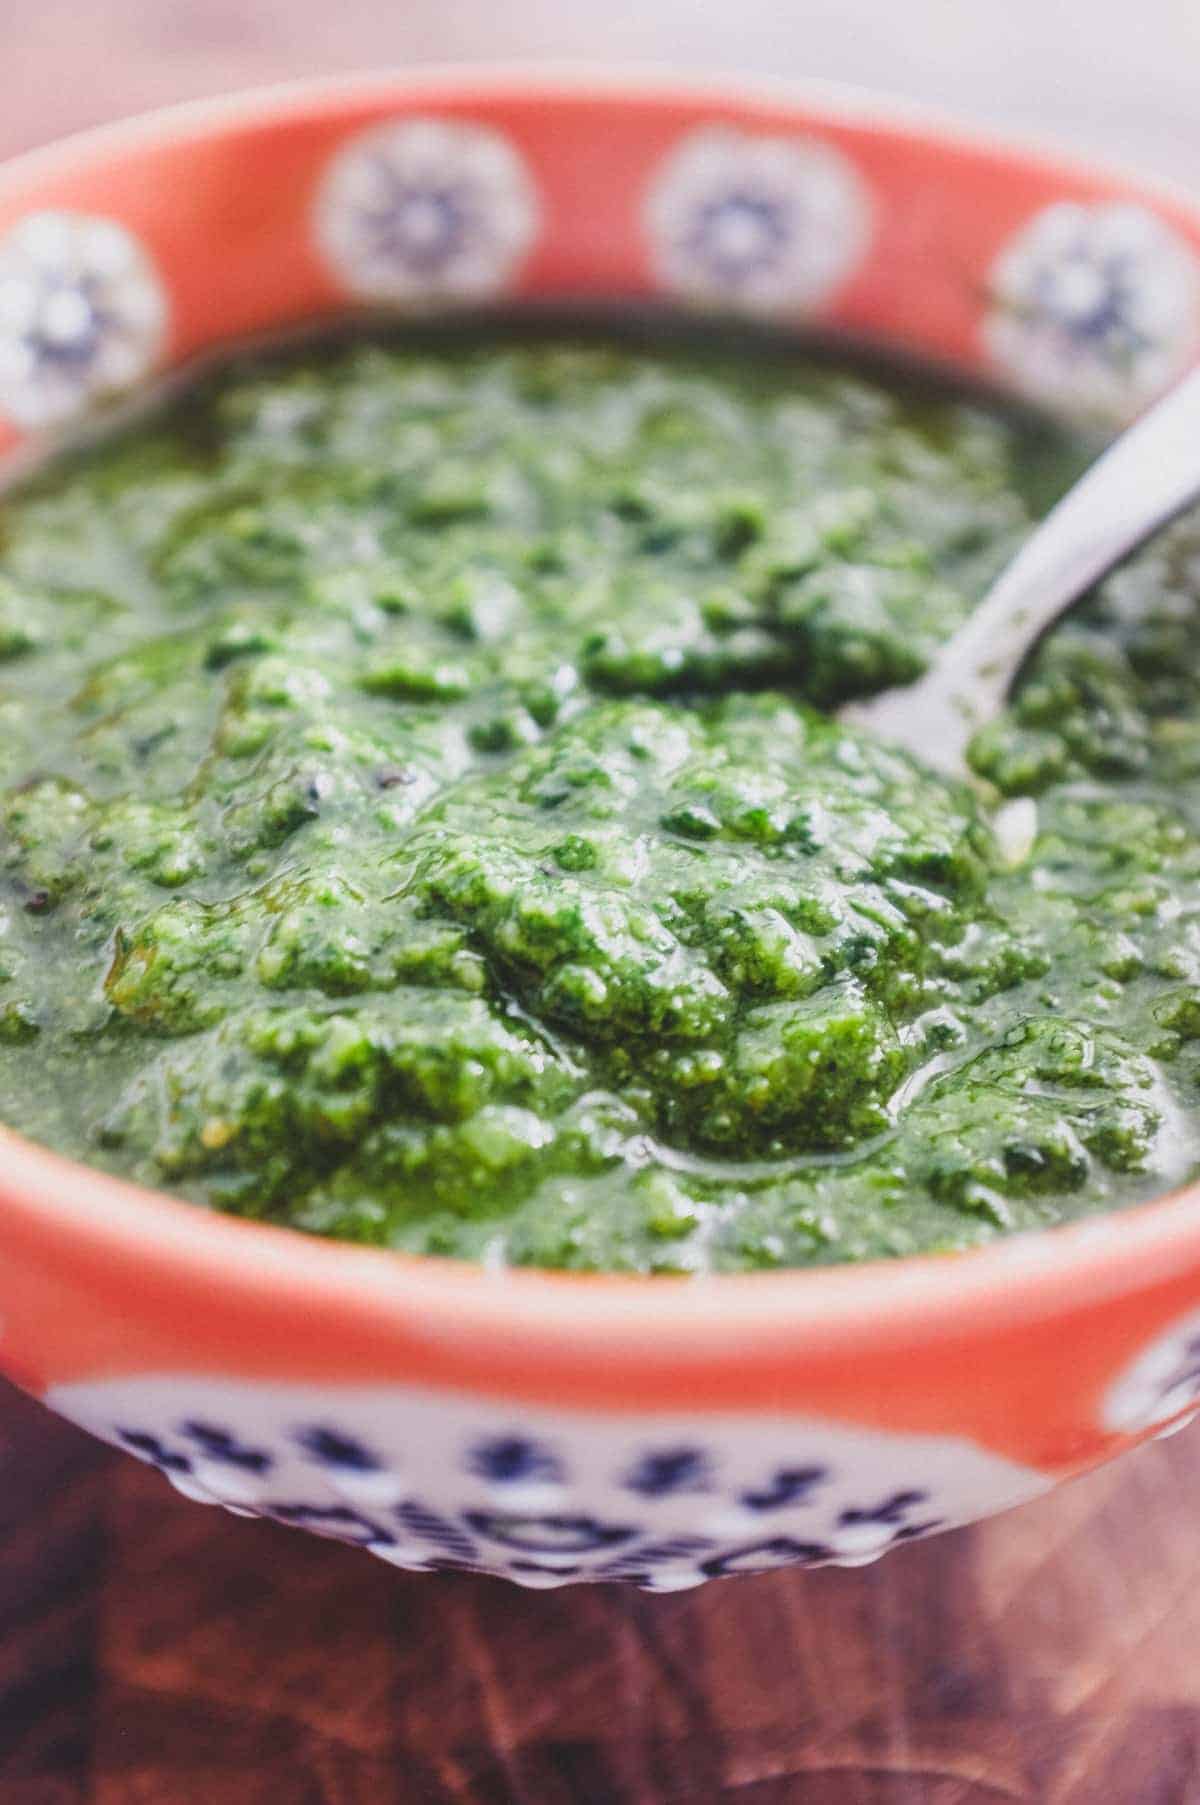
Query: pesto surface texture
[{"x": 421, "y": 820}]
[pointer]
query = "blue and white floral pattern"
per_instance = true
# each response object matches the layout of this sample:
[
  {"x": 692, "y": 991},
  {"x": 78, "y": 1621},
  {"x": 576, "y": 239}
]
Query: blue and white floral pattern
[
  {"x": 1161, "y": 1383},
  {"x": 544, "y": 1497},
  {"x": 1094, "y": 309},
  {"x": 766, "y": 225},
  {"x": 82, "y": 315},
  {"x": 426, "y": 210}
]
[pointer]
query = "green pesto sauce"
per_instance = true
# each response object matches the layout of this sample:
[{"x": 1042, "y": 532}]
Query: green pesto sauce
[{"x": 419, "y": 824}]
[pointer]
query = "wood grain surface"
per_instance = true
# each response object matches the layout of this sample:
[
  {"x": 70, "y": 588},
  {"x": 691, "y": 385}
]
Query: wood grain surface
[{"x": 153, "y": 1652}]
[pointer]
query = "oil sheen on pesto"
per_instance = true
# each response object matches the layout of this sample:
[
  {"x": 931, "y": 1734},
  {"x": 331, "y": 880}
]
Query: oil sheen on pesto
[{"x": 419, "y": 822}]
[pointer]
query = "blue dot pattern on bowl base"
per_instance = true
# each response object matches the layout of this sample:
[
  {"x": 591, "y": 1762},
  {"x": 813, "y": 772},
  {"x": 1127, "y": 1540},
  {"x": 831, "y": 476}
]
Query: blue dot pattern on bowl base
[{"x": 543, "y": 1496}]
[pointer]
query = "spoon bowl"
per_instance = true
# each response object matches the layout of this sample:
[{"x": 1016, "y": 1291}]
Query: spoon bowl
[{"x": 1146, "y": 477}]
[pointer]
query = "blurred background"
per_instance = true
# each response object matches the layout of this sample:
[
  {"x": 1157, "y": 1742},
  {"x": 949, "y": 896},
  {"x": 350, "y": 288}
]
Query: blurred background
[{"x": 1113, "y": 79}]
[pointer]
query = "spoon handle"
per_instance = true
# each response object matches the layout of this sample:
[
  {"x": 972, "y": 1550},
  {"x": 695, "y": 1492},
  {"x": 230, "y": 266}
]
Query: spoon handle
[{"x": 1144, "y": 478}]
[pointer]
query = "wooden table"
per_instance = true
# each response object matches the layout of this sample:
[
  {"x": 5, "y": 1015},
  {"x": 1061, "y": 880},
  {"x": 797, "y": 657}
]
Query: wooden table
[{"x": 155, "y": 1653}]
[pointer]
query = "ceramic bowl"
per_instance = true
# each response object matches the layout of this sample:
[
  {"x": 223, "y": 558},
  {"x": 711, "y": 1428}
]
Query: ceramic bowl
[{"x": 545, "y": 1427}]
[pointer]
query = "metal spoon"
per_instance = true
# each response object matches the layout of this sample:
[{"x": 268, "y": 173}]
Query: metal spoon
[{"x": 1144, "y": 478}]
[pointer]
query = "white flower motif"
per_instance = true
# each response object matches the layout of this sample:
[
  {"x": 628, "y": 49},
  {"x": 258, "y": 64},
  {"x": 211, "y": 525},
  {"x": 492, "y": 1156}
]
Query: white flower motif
[
  {"x": 82, "y": 315},
  {"x": 1094, "y": 308},
  {"x": 426, "y": 210},
  {"x": 1161, "y": 1382},
  {"x": 762, "y": 224}
]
